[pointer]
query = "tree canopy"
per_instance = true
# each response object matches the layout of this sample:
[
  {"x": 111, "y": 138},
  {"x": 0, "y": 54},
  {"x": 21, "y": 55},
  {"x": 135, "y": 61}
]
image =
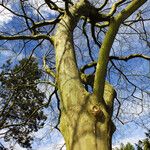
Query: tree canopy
[{"x": 21, "y": 101}]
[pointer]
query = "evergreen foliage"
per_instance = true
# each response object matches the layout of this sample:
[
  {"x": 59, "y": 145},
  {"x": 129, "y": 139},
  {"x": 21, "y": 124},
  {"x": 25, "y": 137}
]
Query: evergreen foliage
[
  {"x": 144, "y": 144},
  {"x": 21, "y": 101},
  {"x": 128, "y": 146}
]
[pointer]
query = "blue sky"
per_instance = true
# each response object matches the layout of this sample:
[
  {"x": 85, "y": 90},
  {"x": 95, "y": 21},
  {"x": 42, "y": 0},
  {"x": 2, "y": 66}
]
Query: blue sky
[{"x": 125, "y": 133}]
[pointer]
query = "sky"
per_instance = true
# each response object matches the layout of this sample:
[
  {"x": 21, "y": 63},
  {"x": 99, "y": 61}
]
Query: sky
[{"x": 53, "y": 140}]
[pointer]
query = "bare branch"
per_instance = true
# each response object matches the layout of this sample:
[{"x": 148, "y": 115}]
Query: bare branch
[
  {"x": 134, "y": 21},
  {"x": 47, "y": 69},
  {"x": 90, "y": 65},
  {"x": 114, "y": 7},
  {"x": 103, "y": 58},
  {"x": 103, "y": 5},
  {"x": 27, "y": 37},
  {"x": 16, "y": 14},
  {"x": 130, "y": 9},
  {"x": 93, "y": 35},
  {"x": 46, "y": 22},
  {"x": 88, "y": 42},
  {"x": 126, "y": 58},
  {"x": 53, "y": 6}
]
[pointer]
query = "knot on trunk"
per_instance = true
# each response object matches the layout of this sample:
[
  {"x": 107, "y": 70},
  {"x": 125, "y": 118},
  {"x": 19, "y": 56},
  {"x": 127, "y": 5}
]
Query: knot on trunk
[{"x": 98, "y": 113}]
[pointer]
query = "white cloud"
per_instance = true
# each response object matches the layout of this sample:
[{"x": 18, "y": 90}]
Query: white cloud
[
  {"x": 54, "y": 146},
  {"x": 8, "y": 54},
  {"x": 48, "y": 139},
  {"x": 5, "y": 16},
  {"x": 17, "y": 147},
  {"x": 43, "y": 8}
]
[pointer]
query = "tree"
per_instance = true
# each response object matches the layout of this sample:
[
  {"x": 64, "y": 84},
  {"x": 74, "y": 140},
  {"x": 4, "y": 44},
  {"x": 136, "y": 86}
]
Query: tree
[
  {"x": 144, "y": 144},
  {"x": 128, "y": 146},
  {"x": 86, "y": 98},
  {"x": 21, "y": 101}
]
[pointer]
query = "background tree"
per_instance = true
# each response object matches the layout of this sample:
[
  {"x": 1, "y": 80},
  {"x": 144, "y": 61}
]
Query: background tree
[
  {"x": 144, "y": 144},
  {"x": 128, "y": 146},
  {"x": 84, "y": 43},
  {"x": 21, "y": 101}
]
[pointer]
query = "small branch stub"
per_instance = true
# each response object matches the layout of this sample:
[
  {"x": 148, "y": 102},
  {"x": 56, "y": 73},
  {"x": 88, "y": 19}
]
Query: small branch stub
[
  {"x": 47, "y": 69},
  {"x": 97, "y": 112}
]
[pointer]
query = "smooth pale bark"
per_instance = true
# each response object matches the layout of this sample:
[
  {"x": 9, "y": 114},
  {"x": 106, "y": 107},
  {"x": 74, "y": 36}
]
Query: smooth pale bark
[
  {"x": 82, "y": 121},
  {"x": 85, "y": 121}
]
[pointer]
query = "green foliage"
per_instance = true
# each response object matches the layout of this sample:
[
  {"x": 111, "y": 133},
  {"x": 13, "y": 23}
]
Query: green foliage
[
  {"x": 144, "y": 144},
  {"x": 21, "y": 101},
  {"x": 128, "y": 146}
]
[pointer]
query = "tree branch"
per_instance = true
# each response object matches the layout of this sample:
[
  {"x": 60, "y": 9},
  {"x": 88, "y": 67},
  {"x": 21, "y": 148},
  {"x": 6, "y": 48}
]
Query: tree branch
[
  {"x": 90, "y": 65},
  {"x": 114, "y": 7},
  {"x": 45, "y": 23},
  {"x": 103, "y": 58},
  {"x": 88, "y": 41},
  {"x": 126, "y": 58},
  {"x": 103, "y": 5},
  {"x": 53, "y": 6},
  {"x": 47, "y": 69},
  {"x": 123, "y": 58},
  {"x": 16, "y": 14},
  {"x": 130, "y": 9},
  {"x": 27, "y": 37}
]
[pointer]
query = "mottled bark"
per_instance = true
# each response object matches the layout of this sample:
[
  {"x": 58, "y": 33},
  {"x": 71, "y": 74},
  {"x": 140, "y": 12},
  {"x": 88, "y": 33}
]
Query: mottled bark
[{"x": 83, "y": 123}]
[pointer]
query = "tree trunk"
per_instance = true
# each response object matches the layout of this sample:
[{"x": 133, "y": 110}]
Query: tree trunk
[
  {"x": 85, "y": 120},
  {"x": 85, "y": 127},
  {"x": 85, "y": 123}
]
